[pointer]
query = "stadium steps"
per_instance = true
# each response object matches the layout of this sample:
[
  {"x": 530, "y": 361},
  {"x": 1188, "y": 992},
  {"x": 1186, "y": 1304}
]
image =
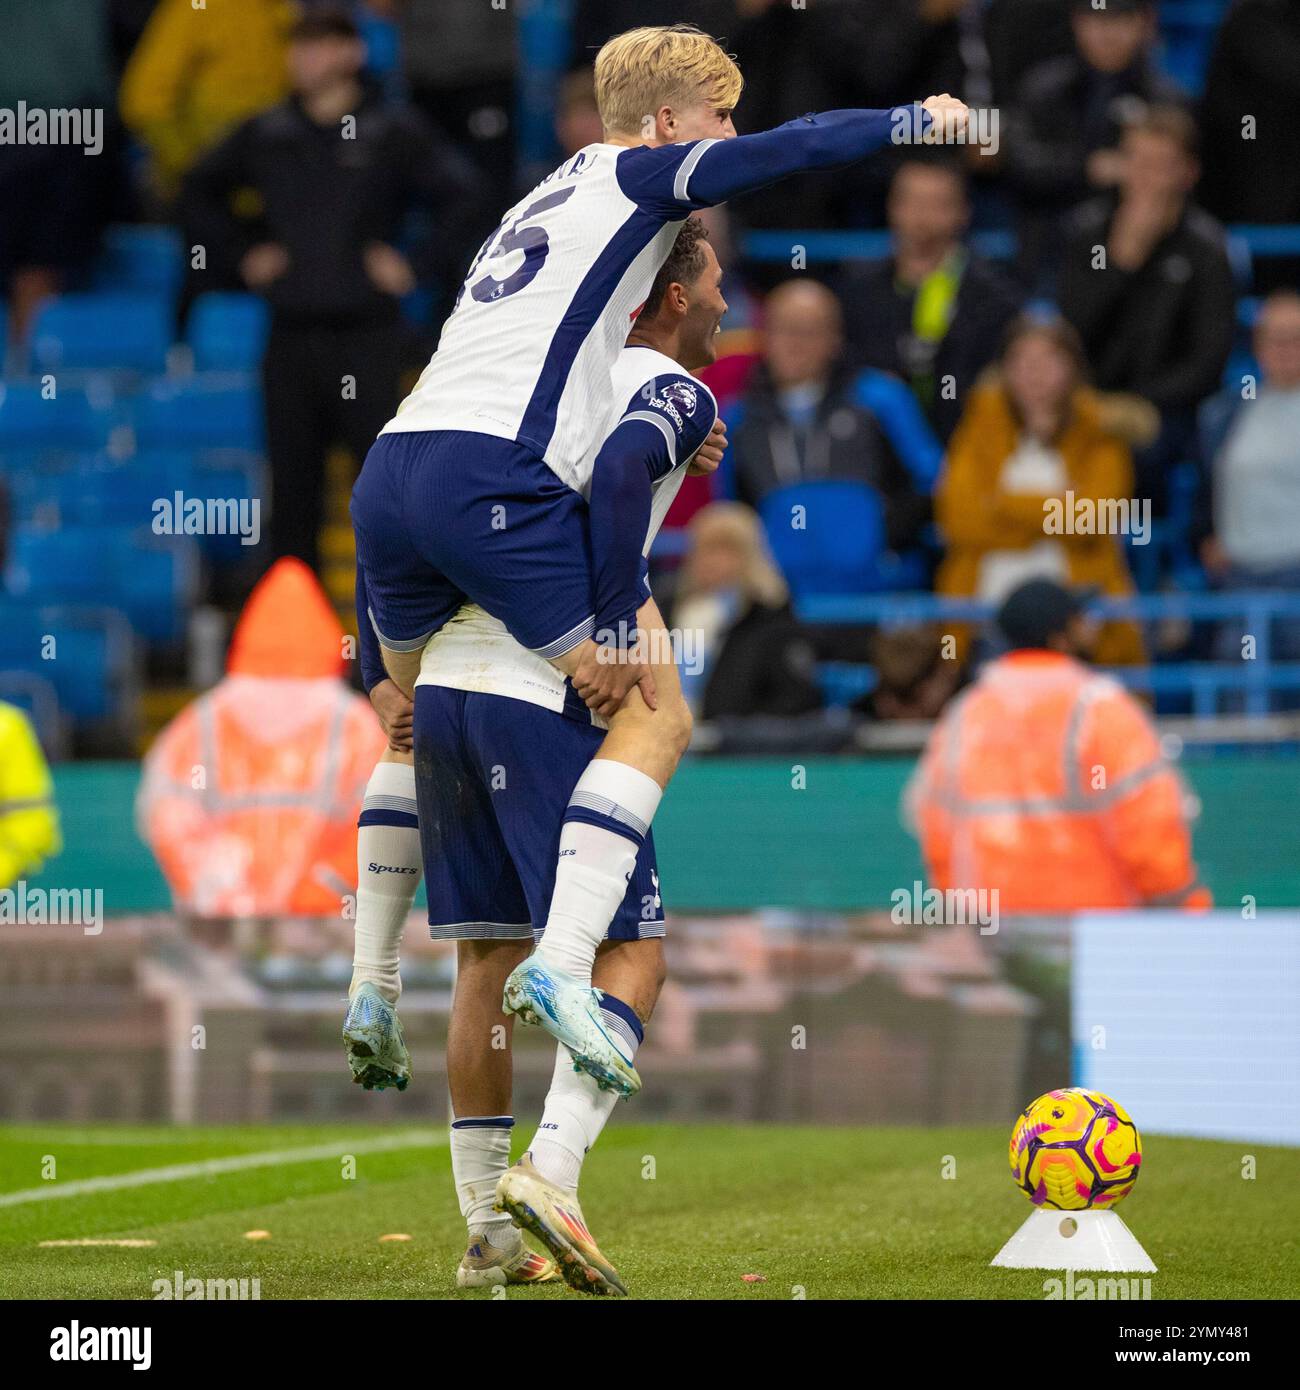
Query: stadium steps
[
  {"x": 338, "y": 555},
  {"x": 157, "y": 707}
]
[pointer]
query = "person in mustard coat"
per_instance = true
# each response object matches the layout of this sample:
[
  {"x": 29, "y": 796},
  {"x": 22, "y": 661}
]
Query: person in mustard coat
[
  {"x": 1037, "y": 486},
  {"x": 196, "y": 73}
]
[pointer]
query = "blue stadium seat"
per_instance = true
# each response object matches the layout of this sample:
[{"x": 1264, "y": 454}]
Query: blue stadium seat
[
  {"x": 228, "y": 332},
  {"x": 233, "y": 477},
  {"x": 218, "y": 410},
  {"x": 143, "y": 259},
  {"x": 102, "y": 331},
  {"x": 834, "y": 543},
  {"x": 76, "y": 417},
  {"x": 150, "y": 578},
  {"x": 84, "y": 653},
  {"x": 99, "y": 491}
]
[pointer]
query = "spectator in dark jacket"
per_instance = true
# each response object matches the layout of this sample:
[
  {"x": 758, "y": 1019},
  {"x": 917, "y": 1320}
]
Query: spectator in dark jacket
[
  {"x": 1250, "y": 135},
  {"x": 1147, "y": 283},
  {"x": 743, "y": 652},
  {"x": 807, "y": 416},
  {"x": 933, "y": 313},
  {"x": 1067, "y": 116},
  {"x": 336, "y": 171}
]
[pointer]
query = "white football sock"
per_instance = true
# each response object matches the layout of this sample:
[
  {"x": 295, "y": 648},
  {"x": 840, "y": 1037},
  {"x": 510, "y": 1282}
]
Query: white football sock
[
  {"x": 480, "y": 1155},
  {"x": 576, "y": 1108},
  {"x": 595, "y": 862},
  {"x": 388, "y": 874}
]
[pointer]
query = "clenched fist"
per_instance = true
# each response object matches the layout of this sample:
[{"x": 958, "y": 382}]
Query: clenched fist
[{"x": 948, "y": 118}]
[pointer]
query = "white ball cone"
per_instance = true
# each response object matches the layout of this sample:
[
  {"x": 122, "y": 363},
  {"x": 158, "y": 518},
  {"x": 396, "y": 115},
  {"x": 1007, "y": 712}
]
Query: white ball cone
[{"x": 1074, "y": 1240}]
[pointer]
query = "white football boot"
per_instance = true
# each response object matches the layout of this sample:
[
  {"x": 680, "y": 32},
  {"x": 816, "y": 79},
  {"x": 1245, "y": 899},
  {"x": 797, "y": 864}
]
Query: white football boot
[{"x": 570, "y": 1013}]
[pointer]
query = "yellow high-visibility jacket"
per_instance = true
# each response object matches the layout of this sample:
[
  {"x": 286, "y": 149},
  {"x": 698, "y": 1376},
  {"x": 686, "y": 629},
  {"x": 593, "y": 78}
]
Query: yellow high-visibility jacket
[
  {"x": 29, "y": 823},
  {"x": 195, "y": 74}
]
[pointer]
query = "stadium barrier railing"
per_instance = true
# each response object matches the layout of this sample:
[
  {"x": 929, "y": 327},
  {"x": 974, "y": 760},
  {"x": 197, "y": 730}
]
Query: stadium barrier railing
[{"x": 1256, "y": 680}]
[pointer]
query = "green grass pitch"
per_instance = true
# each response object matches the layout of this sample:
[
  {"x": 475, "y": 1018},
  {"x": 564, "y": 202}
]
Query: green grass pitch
[{"x": 684, "y": 1212}]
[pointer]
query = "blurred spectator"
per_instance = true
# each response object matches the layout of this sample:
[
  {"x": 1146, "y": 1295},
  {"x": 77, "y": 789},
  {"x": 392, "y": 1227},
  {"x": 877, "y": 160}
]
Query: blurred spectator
[
  {"x": 932, "y": 313},
  {"x": 834, "y": 53},
  {"x": 1255, "y": 448},
  {"x": 1018, "y": 35},
  {"x": 196, "y": 73},
  {"x": 127, "y": 20},
  {"x": 54, "y": 55},
  {"x": 913, "y": 678},
  {"x": 1147, "y": 283},
  {"x": 1248, "y": 117},
  {"x": 29, "y": 822},
  {"x": 1066, "y": 118},
  {"x": 460, "y": 62},
  {"x": 250, "y": 796},
  {"x": 594, "y": 21},
  {"x": 336, "y": 171},
  {"x": 743, "y": 652},
  {"x": 808, "y": 416},
  {"x": 1030, "y": 446},
  {"x": 577, "y": 117},
  {"x": 837, "y": 53},
  {"x": 1045, "y": 783}
]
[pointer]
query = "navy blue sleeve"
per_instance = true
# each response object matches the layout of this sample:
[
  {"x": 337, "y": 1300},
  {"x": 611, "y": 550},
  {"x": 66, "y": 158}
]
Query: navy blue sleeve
[
  {"x": 673, "y": 180},
  {"x": 683, "y": 410},
  {"x": 372, "y": 661},
  {"x": 621, "y": 489},
  {"x": 663, "y": 426}
]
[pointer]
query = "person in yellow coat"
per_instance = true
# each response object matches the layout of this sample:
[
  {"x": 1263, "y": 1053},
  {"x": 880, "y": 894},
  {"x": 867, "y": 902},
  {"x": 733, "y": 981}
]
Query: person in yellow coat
[
  {"x": 29, "y": 822},
  {"x": 1037, "y": 486},
  {"x": 196, "y": 73}
]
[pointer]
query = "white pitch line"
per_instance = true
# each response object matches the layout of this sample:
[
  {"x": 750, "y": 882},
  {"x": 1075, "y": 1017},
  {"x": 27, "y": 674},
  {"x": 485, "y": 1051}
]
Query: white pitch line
[
  {"x": 213, "y": 1167},
  {"x": 59, "y": 1244}
]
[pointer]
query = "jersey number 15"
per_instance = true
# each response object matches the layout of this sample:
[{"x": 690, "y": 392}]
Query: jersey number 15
[{"x": 514, "y": 236}]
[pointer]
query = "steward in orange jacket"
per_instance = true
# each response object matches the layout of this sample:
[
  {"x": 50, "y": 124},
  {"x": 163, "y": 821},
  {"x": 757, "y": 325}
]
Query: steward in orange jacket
[
  {"x": 1045, "y": 780},
  {"x": 250, "y": 795}
]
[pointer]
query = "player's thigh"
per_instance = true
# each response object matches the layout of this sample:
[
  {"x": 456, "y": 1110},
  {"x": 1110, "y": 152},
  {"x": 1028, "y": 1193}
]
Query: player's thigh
[
  {"x": 636, "y": 725},
  {"x": 492, "y": 517},
  {"x": 655, "y": 641},
  {"x": 533, "y": 759},
  {"x": 408, "y": 597},
  {"x": 473, "y": 890}
]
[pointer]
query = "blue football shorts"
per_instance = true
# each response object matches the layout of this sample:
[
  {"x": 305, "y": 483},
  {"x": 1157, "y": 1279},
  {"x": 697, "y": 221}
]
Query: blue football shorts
[
  {"x": 445, "y": 515},
  {"x": 493, "y": 777}
]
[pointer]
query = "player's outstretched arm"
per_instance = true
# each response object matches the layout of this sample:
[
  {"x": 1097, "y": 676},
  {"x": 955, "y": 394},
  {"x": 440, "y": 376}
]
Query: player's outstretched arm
[{"x": 820, "y": 140}]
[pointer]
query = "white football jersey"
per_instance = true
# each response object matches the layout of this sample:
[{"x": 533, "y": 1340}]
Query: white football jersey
[
  {"x": 473, "y": 651},
  {"x": 549, "y": 300}
]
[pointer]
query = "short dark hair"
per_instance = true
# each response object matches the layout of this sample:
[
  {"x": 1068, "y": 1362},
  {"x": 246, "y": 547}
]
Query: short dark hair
[
  {"x": 326, "y": 22},
  {"x": 684, "y": 266}
]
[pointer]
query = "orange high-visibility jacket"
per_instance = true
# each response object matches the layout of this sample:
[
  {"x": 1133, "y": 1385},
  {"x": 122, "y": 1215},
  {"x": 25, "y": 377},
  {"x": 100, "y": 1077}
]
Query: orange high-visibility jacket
[
  {"x": 1046, "y": 781},
  {"x": 251, "y": 794}
]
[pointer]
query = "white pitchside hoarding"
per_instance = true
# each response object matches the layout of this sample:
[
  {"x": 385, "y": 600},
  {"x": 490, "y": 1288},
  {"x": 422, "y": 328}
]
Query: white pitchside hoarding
[{"x": 1191, "y": 1020}]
